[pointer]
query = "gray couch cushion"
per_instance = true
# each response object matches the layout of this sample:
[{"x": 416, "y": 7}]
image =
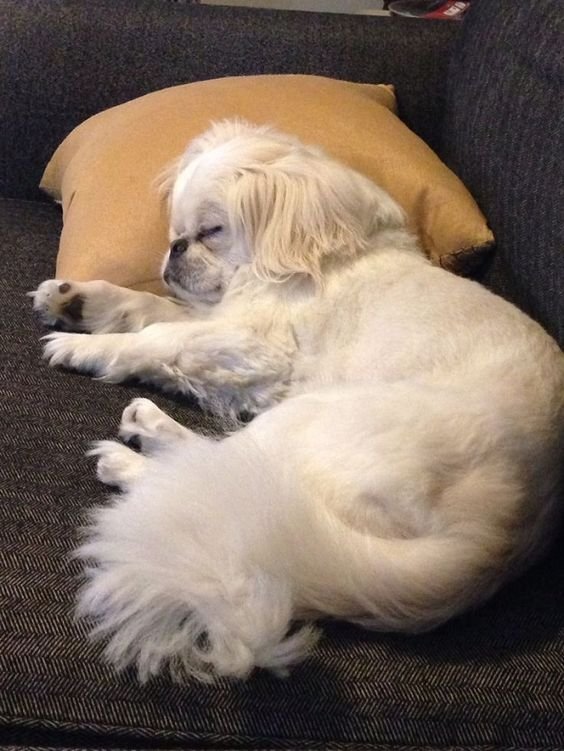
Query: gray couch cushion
[
  {"x": 504, "y": 136},
  {"x": 495, "y": 676}
]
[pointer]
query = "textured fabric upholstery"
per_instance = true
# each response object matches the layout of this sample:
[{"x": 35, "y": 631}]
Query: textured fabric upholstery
[
  {"x": 74, "y": 59},
  {"x": 504, "y": 136}
]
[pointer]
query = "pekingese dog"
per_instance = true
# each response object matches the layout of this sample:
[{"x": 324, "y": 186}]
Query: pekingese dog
[{"x": 406, "y": 456}]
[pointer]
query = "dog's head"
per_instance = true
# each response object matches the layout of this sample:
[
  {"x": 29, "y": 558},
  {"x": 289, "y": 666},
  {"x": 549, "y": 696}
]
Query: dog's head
[{"x": 245, "y": 195}]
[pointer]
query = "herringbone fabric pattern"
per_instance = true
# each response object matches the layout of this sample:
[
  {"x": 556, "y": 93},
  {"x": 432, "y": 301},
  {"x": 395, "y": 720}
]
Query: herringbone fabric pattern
[{"x": 494, "y": 677}]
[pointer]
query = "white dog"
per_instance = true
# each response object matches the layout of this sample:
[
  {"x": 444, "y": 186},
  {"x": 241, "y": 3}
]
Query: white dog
[{"x": 407, "y": 455}]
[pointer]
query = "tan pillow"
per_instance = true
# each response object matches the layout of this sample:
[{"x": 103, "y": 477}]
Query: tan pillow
[{"x": 105, "y": 171}]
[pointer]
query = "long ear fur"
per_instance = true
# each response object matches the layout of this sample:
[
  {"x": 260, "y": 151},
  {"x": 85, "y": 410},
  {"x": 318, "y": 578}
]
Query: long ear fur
[
  {"x": 164, "y": 182},
  {"x": 299, "y": 211}
]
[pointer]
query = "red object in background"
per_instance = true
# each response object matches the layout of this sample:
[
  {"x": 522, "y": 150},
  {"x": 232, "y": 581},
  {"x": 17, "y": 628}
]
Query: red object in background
[{"x": 446, "y": 10}]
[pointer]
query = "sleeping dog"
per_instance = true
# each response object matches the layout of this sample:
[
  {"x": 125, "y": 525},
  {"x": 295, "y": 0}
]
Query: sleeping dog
[{"x": 406, "y": 455}]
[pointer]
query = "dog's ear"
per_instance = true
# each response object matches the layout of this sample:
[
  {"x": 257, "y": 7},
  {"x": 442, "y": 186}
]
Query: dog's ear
[
  {"x": 297, "y": 213},
  {"x": 164, "y": 182}
]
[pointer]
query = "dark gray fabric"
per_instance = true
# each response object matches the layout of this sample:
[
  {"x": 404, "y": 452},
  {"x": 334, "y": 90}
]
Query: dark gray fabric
[
  {"x": 62, "y": 61},
  {"x": 495, "y": 676},
  {"x": 504, "y": 136}
]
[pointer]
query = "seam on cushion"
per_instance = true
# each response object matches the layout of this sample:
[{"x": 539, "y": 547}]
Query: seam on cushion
[{"x": 467, "y": 260}]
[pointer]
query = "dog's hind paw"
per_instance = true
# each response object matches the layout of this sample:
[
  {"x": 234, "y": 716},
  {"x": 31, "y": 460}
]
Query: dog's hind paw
[
  {"x": 117, "y": 464},
  {"x": 144, "y": 424}
]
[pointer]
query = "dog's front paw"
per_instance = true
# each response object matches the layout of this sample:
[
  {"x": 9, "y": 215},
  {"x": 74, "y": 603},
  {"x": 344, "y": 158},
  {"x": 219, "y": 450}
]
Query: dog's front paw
[
  {"x": 59, "y": 303},
  {"x": 72, "y": 351}
]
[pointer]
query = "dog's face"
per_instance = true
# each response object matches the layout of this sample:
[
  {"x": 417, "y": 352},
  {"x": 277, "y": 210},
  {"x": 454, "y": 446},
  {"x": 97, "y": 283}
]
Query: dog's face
[
  {"x": 203, "y": 255},
  {"x": 248, "y": 196}
]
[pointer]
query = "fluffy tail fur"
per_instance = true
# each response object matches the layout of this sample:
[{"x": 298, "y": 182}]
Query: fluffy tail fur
[
  {"x": 175, "y": 577},
  {"x": 204, "y": 571}
]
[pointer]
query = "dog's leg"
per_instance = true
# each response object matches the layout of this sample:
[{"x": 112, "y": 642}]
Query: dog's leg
[
  {"x": 227, "y": 368},
  {"x": 151, "y": 428},
  {"x": 101, "y": 307}
]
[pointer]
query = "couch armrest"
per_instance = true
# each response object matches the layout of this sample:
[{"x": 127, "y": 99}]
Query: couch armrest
[
  {"x": 61, "y": 62},
  {"x": 504, "y": 137}
]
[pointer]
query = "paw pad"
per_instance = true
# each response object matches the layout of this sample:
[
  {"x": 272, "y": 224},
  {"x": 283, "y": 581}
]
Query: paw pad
[{"x": 57, "y": 304}]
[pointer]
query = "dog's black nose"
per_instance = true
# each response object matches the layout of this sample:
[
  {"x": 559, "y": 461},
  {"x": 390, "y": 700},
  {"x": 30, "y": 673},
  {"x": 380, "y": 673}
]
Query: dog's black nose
[{"x": 178, "y": 247}]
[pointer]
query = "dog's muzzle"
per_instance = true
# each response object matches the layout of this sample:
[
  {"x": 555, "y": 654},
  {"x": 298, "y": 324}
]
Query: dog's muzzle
[
  {"x": 187, "y": 270},
  {"x": 178, "y": 247}
]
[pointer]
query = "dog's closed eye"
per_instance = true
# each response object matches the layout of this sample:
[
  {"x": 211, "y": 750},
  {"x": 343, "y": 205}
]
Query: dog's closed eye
[{"x": 205, "y": 233}]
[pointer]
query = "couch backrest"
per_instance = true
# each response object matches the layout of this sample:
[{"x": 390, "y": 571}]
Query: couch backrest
[
  {"x": 504, "y": 136},
  {"x": 61, "y": 62}
]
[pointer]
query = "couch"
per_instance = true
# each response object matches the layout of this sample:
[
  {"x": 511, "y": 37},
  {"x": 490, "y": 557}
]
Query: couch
[{"x": 485, "y": 94}]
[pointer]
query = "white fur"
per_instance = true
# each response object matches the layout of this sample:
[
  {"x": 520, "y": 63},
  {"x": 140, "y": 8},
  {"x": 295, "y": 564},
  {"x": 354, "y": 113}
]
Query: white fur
[{"x": 406, "y": 457}]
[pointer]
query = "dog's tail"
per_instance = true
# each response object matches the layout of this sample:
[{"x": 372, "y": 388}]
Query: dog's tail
[
  {"x": 201, "y": 571},
  {"x": 176, "y": 575},
  {"x": 201, "y": 621}
]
